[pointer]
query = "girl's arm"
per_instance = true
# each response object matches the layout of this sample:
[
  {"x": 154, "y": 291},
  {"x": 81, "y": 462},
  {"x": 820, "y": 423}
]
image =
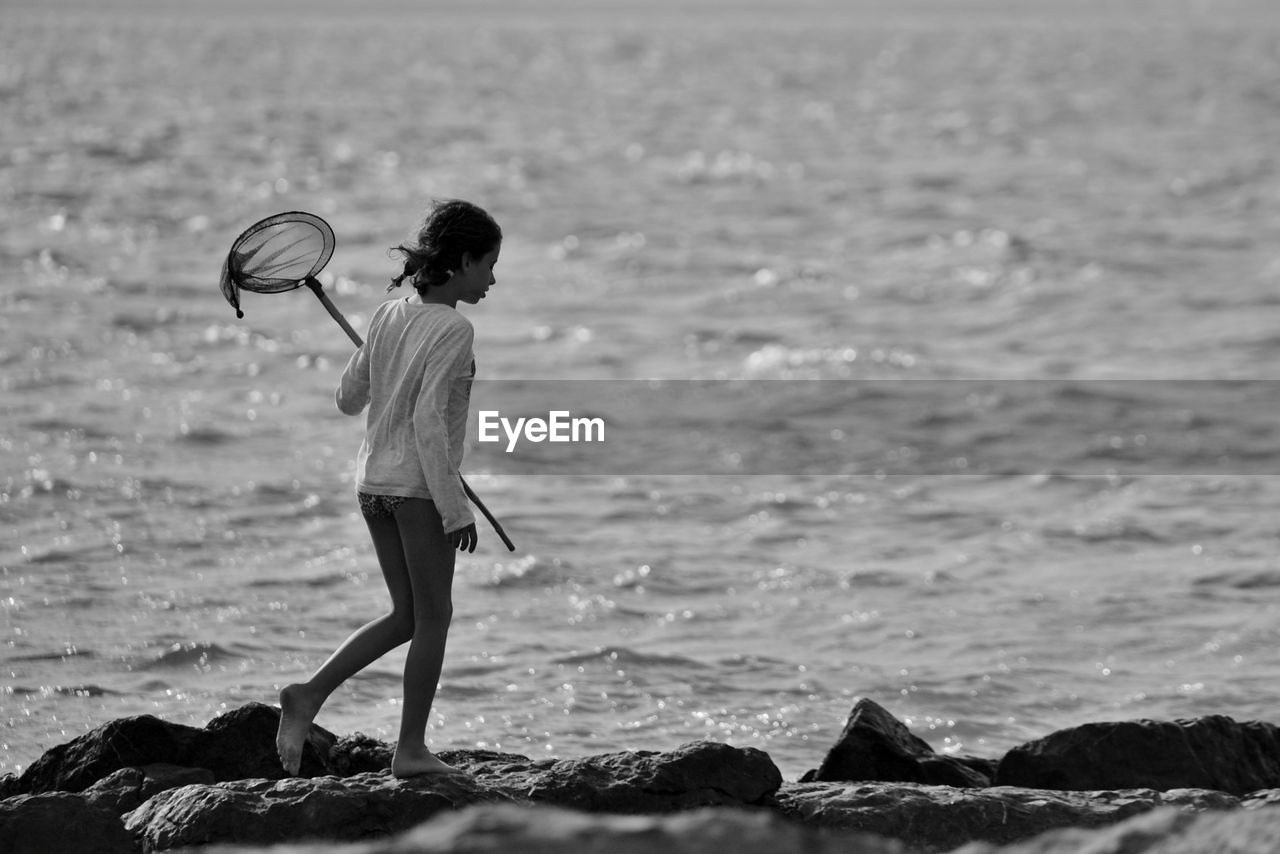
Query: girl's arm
[
  {"x": 450, "y": 358},
  {"x": 353, "y": 389}
]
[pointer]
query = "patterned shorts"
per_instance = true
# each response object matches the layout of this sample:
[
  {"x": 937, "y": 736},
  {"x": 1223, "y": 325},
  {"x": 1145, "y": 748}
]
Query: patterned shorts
[{"x": 379, "y": 506}]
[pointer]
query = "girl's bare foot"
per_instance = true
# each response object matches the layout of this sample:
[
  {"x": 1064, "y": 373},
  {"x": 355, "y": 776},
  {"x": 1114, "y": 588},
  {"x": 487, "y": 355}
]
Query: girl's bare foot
[
  {"x": 416, "y": 763},
  {"x": 297, "y": 710}
]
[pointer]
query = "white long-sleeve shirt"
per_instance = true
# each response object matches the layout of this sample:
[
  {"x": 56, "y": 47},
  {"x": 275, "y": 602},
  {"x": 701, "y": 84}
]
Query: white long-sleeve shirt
[{"x": 414, "y": 372}]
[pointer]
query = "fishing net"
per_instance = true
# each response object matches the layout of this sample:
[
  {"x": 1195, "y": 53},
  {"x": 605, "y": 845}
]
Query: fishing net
[{"x": 277, "y": 254}]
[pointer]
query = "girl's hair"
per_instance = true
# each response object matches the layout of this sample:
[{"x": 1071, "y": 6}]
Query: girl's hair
[{"x": 452, "y": 227}]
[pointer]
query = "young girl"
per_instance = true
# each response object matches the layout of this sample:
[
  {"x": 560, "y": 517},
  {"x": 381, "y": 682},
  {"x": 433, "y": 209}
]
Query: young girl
[{"x": 414, "y": 373}]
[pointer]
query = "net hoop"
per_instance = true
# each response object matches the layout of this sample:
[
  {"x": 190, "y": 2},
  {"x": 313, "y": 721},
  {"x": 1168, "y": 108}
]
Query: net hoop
[{"x": 276, "y": 254}]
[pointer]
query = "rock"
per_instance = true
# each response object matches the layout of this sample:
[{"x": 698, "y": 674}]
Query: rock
[
  {"x": 1207, "y": 753},
  {"x": 551, "y": 830},
  {"x": 701, "y": 773},
  {"x": 127, "y": 789},
  {"x": 1131, "y": 836},
  {"x": 1160, "y": 832},
  {"x": 267, "y": 811},
  {"x": 359, "y": 753},
  {"x": 60, "y": 822},
  {"x": 939, "y": 818},
  {"x": 490, "y": 763},
  {"x": 81, "y": 762},
  {"x": 173, "y": 787},
  {"x": 241, "y": 745},
  {"x": 876, "y": 746},
  {"x": 1261, "y": 798},
  {"x": 374, "y": 804},
  {"x": 984, "y": 767},
  {"x": 10, "y": 785},
  {"x": 235, "y": 746}
]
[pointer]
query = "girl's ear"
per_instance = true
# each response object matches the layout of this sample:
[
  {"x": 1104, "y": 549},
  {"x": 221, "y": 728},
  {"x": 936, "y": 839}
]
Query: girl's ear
[{"x": 467, "y": 260}]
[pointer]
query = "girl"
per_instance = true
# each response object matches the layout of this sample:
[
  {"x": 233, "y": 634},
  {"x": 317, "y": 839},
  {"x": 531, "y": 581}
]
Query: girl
[{"x": 414, "y": 373}]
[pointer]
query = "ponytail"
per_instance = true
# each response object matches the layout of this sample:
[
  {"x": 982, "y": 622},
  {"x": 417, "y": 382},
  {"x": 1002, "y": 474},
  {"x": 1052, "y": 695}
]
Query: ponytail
[{"x": 409, "y": 270}]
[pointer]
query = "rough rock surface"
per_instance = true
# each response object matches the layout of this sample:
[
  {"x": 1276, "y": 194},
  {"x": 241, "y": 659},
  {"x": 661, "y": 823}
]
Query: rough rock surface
[
  {"x": 1160, "y": 832},
  {"x": 1261, "y": 798},
  {"x": 550, "y": 830},
  {"x": 940, "y": 818},
  {"x": 376, "y": 804},
  {"x": 235, "y": 746},
  {"x": 125, "y": 742},
  {"x": 60, "y": 822},
  {"x": 267, "y": 811},
  {"x": 129, "y": 788},
  {"x": 701, "y": 773},
  {"x": 876, "y": 746},
  {"x": 356, "y": 754},
  {"x": 547, "y": 830},
  {"x": 1203, "y": 753}
]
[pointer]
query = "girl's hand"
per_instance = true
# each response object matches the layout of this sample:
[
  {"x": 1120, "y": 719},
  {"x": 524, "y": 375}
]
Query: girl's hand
[{"x": 465, "y": 539}]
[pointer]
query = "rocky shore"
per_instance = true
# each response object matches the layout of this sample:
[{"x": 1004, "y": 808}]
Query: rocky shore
[{"x": 141, "y": 784}]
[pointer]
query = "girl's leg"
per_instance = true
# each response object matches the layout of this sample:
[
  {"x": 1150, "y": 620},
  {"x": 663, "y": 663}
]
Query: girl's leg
[
  {"x": 300, "y": 702},
  {"x": 430, "y": 560}
]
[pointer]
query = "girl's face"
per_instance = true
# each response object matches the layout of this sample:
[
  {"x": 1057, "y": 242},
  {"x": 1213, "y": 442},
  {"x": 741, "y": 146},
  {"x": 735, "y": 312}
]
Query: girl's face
[{"x": 477, "y": 275}]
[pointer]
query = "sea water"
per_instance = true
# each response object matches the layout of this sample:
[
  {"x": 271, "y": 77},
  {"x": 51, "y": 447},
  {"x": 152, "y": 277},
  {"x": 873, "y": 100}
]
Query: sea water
[{"x": 1034, "y": 250}]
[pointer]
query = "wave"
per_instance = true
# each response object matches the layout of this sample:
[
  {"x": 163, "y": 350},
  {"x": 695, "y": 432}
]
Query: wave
[
  {"x": 207, "y": 436},
  {"x": 618, "y": 656},
  {"x": 526, "y": 572},
  {"x": 753, "y": 663},
  {"x": 143, "y": 323},
  {"x": 66, "y": 425},
  {"x": 876, "y": 579},
  {"x": 56, "y": 655},
  {"x": 1263, "y": 579},
  {"x": 63, "y": 556},
  {"x": 1107, "y": 531},
  {"x": 194, "y": 654},
  {"x": 90, "y": 690}
]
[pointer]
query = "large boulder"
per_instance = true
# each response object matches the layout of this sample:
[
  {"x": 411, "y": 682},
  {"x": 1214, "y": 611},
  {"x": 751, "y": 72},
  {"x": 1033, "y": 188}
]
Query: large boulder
[
  {"x": 1206, "y": 753},
  {"x": 235, "y": 746},
  {"x": 60, "y": 822},
  {"x": 376, "y": 804},
  {"x": 940, "y": 818},
  {"x": 268, "y": 811},
  {"x": 876, "y": 746},
  {"x": 81, "y": 762},
  {"x": 498, "y": 829},
  {"x": 698, "y": 774}
]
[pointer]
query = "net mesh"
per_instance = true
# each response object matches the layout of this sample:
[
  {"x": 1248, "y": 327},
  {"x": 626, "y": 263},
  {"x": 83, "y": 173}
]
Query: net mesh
[{"x": 277, "y": 254}]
